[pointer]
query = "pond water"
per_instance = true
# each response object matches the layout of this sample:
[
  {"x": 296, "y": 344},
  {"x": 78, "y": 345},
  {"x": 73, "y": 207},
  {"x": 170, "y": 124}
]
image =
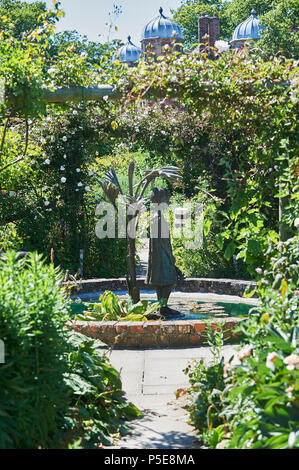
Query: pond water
[{"x": 190, "y": 309}]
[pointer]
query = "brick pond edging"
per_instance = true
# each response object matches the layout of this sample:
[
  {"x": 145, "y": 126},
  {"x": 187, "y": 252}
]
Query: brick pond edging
[
  {"x": 152, "y": 333},
  {"x": 216, "y": 286}
]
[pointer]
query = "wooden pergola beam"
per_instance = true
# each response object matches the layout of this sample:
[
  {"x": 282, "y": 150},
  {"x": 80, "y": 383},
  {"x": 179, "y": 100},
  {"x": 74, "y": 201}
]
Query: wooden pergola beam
[
  {"x": 98, "y": 92},
  {"x": 80, "y": 93}
]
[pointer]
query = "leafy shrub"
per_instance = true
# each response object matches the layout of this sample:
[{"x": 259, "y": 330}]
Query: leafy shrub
[
  {"x": 98, "y": 408},
  {"x": 259, "y": 400},
  {"x": 55, "y": 387},
  {"x": 207, "y": 384},
  {"x": 207, "y": 261},
  {"x": 112, "y": 308},
  {"x": 33, "y": 313}
]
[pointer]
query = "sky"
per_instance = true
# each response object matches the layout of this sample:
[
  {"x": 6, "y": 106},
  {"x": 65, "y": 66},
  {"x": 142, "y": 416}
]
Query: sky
[{"x": 89, "y": 17}]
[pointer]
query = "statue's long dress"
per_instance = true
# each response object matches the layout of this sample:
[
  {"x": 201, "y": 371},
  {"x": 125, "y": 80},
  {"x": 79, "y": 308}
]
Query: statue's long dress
[{"x": 161, "y": 263}]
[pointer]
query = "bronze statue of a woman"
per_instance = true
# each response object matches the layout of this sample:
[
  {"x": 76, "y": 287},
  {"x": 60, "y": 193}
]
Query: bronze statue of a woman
[{"x": 162, "y": 272}]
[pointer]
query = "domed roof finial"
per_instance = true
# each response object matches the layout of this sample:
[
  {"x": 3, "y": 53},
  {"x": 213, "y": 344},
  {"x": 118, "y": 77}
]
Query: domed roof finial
[
  {"x": 250, "y": 29},
  {"x": 161, "y": 27}
]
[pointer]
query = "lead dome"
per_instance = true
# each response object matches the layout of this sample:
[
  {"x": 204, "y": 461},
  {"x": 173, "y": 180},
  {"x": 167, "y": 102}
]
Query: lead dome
[
  {"x": 249, "y": 29},
  {"x": 161, "y": 27},
  {"x": 129, "y": 53}
]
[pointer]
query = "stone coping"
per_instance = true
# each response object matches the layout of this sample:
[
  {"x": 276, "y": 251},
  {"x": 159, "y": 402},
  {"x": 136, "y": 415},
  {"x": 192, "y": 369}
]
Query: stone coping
[
  {"x": 153, "y": 334},
  {"x": 219, "y": 286}
]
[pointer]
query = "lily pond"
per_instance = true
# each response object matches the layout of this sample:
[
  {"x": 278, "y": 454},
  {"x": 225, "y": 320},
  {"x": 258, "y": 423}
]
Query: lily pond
[{"x": 189, "y": 309}]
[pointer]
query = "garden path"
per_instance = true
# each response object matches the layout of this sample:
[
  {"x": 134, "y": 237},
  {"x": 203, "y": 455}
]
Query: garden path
[
  {"x": 142, "y": 252},
  {"x": 150, "y": 379}
]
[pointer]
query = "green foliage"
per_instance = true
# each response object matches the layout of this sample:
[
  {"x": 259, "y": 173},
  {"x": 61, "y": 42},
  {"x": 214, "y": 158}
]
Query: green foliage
[
  {"x": 231, "y": 128},
  {"x": 207, "y": 384},
  {"x": 259, "y": 406},
  {"x": 206, "y": 257},
  {"x": 98, "y": 409},
  {"x": 23, "y": 17},
  {"x": 190, "y": 10},
  {"x": 279, "y": 18},
  {"x": 112, "y": 308},
  {"x": 55, "y": 196},
  {"x": 233, "y": 132},
  {"x": 33, "y": 313},
  {"x": 55, "y": 386},
  {"x": 76, "y": 44}
]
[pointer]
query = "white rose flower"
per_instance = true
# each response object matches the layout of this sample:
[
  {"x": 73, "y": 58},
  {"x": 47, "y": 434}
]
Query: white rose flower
[
  {"x": 289, "y": 392},
  {"x": 227, "y": 368},
  {"x": 62, "y": 168},
  {"x": 271, "y": 358},
  {"x": 64, "y": 156},
  {"x": 292, "y": 362},
  {"x": 11, "y": 193},
  {"x": 222, "y": 46},
  {"x": 87, "y": 188},
  {"x": 80, "y": 184},
  {"x": 64, "y": 138},
  {"x": 47, "y": 203},
  {"x": 78, "y": 170},
  {"x": 47, "y": 162},
  {"x": 244, "y": 352},
  {"x": 63, "y": 180}
]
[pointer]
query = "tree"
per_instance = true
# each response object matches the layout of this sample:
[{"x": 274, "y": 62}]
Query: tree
[
  {"x": 279, "y": 18},
  {"x": 281, "y": 29},
  {"x": 22, "y": 16},
  {"x": 79, "y": 44}
]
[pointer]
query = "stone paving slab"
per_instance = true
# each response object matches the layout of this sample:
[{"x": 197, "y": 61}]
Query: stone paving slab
[
  {"x": 150, "y": 379},
  {"x": 130, "y": 364},
  {"x": 156, "y": 374}
]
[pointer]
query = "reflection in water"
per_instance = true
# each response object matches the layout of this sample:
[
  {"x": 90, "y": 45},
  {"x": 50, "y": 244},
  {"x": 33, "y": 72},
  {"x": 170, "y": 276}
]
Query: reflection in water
[{"x": 190, "y": 310}]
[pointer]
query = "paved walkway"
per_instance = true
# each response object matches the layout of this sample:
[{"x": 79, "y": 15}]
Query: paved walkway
[
  {"x": 142, "y": 251},
  {"x": 150, "y": 379}
]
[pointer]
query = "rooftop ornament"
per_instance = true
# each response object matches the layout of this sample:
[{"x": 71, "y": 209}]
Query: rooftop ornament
[
  {"x": 129, "y": 53},
  {"x": 161, "y": 27},
  {"x": 250, "y": 29}
]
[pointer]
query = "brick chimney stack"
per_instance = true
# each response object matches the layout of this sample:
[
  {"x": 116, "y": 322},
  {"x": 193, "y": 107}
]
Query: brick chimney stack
[{"x": 208, "y": 31}]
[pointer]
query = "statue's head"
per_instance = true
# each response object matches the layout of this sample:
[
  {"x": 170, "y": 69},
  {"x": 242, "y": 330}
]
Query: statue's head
[{"x": 160, "y": 196}]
